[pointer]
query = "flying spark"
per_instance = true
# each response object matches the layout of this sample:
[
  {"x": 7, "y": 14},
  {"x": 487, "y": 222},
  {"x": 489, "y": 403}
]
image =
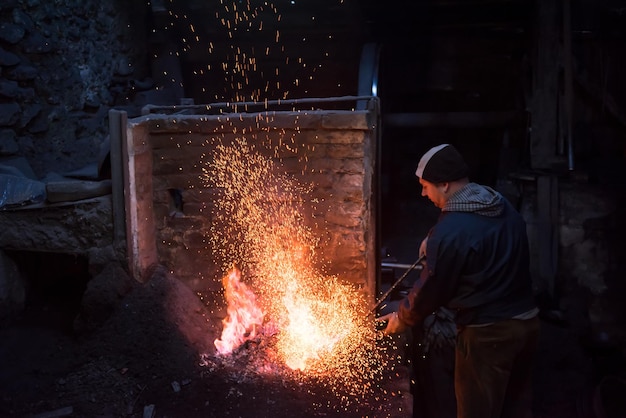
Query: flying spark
[{"x": 320, "y": 324}]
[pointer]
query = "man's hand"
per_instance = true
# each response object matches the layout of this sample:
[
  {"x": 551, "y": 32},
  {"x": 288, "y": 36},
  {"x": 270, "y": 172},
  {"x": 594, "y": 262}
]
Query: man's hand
[
  {"x": 394, "y": 325},
  {"x": 422, "y": 250}
]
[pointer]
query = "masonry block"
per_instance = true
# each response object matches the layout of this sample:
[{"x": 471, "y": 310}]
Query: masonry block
[{"x": 331, "y": 151}]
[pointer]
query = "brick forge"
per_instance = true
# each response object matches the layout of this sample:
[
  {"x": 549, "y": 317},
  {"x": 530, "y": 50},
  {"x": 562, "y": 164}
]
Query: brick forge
[{"x": 162, "y": 159}]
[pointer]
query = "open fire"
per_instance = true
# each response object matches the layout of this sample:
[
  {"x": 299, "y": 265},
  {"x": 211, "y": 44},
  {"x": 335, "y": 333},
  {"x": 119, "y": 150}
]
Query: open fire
[
  {"x": 244, "y": 316},
  {"x": 318, "y": 325},
  {"x": 289, "y": 313}
]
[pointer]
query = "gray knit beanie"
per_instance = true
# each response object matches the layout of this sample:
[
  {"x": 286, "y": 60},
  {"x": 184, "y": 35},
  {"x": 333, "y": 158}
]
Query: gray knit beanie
[{"x": 442, "y": 163}]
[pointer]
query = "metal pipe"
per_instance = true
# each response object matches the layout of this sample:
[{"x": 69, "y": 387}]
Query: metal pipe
[
  {"x": 393, "y": 286},
  {"x": 401, "y": 266},
  {"x": 265, "y": 104}
]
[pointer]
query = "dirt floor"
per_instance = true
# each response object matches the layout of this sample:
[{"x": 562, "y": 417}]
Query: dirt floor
[
  {"x": 138, "y": 352},
  {"x": 146, "y": 350}
]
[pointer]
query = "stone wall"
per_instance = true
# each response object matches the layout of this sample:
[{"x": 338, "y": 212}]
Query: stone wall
[
  {"x": 63, "y": 64},
  {"x": 334, "y": 151}
]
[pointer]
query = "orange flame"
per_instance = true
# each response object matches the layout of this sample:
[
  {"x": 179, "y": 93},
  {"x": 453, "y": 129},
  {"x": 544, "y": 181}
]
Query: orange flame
[
  {"x": 318, "y": 324},
  {"x": 313, "y": 318},
  {"x": 244, "y": 316},
  {"x": 311, "y": 332}
]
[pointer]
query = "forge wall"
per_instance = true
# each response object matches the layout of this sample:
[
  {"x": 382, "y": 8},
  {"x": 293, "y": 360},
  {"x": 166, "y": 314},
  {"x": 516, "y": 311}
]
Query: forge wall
[{"x": 334, "y": 151}]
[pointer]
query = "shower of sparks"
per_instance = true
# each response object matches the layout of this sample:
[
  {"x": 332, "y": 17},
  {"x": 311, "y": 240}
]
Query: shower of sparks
[
  {"x": 247, "y": 51},
  {"x": 318, "y": 326},
  {"x": 240, "y": 19},
  {"x": 321, "y": 325}
]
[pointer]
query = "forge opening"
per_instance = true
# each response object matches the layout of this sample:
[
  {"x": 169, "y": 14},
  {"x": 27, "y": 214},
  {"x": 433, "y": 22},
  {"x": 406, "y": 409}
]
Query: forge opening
[
  {"x": 176, "y": 202},
  {"x": 54, "y": 285}
]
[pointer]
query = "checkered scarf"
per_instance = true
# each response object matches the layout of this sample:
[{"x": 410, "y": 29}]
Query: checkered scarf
[{"x": 476, "y": 198}]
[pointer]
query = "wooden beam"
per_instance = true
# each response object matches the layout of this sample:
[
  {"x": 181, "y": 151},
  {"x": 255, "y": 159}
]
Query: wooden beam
[
  {"x": 117, "y": 125},
  {"x": 568, "y": 83},
  {"x": 544, "y": 101}
]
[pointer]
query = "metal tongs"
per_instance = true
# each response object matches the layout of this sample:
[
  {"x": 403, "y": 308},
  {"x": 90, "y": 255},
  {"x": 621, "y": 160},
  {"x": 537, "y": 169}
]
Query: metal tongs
[{"x": 393, "y": 286}]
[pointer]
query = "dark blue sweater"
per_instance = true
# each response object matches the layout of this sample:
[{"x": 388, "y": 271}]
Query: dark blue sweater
[{"x": 477, "y": 265}]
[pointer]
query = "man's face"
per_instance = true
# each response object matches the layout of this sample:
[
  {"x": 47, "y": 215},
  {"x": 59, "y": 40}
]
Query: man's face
[{"x": 435, "y": 192}]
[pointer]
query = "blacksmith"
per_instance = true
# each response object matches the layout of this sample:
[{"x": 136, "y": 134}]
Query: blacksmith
[{"x": 477, "y": 266}]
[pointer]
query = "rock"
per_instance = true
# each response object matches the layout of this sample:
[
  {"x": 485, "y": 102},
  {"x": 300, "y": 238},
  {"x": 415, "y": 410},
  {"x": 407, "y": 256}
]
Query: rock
[
  {"x": 8, "y": 59},
  {"x": 21, "y": 164},
  {"x": 9, "y": 89},
  {"x": 36, "y": 43},
  {"x": 9, "y": 113},
  {"x": 100, "y": 257},
  {"x": 40, "y": 123},
  {"x": 22, "y": 73},
  {"x": 29, "y": 113},
  {"x": 26, "y": 144},
  {"x": 11, "y": 33},
  {"x": 124, "y": 67},
  {"x": 8, "y": 4},
  {"x": 143, "y": 85},
  {"x": 8, "y": 144},
  {"x": 92, "y": 100},
  {"x": 22, "y": 19},
  {"x": 102, "y": 297}
]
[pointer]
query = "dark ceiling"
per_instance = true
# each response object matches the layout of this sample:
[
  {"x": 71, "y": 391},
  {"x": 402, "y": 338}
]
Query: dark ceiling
[
  {"x": 452, "y": 54},
  {"x": 431, "y": 58}
]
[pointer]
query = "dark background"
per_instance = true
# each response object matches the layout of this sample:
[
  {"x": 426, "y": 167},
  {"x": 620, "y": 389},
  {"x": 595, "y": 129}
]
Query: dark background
[{"x": 473, "y": 73}]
